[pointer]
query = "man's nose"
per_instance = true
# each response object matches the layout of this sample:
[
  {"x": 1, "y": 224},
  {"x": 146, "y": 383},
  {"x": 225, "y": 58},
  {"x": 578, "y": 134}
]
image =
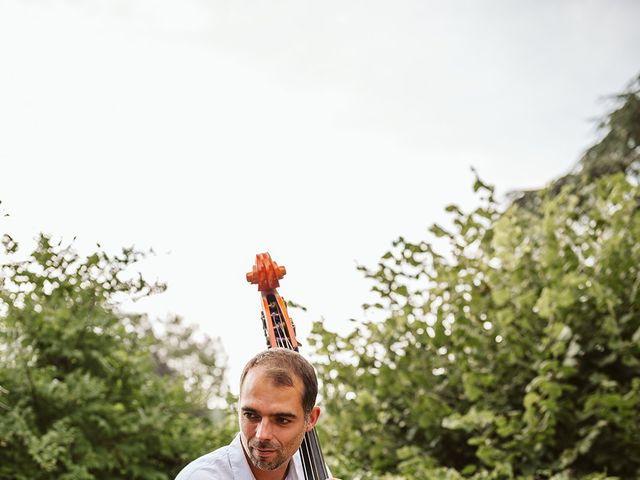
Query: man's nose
[{"x": 263, "y": 432}]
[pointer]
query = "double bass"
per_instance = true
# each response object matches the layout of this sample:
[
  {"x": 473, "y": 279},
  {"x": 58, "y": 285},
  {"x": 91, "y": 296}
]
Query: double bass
[{"x": 280, "y": 332}]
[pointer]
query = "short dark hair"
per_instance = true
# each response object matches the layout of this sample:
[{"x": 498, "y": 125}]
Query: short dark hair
[{"x": 280, "y": 364}]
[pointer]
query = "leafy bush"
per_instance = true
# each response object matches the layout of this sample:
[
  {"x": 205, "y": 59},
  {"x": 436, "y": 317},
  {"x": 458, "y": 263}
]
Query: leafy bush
[
  {"x": 514, "y": 352},
  {"x": 88, "y": 392}
]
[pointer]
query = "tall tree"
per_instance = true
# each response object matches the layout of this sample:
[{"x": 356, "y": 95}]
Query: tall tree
[
  {"x": 90, "y": 392},
  {"x": 514, "y": 352}
]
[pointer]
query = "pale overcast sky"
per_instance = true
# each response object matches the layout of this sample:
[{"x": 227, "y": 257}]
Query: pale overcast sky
[{"x": 318, "y": 131}]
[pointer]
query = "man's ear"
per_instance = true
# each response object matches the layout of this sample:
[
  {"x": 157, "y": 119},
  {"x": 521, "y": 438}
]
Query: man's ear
[{"x": 313, "y": 418}]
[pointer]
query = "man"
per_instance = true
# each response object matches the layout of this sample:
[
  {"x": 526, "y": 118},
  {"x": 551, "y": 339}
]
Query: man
[{"x": 278, "y": 390}]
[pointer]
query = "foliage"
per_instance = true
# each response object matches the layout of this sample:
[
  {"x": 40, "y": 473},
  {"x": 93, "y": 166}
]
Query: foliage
[
  {"x": 512, "y": 353},
  {"x": 89, "y": 392}
]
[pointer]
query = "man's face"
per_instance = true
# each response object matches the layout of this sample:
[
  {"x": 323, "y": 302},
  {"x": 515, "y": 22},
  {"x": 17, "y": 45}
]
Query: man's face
[{"x": 272, "y": 423}]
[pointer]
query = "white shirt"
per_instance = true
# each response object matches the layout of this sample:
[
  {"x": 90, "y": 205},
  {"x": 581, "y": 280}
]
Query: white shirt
[{"x": 229, "y": 463}]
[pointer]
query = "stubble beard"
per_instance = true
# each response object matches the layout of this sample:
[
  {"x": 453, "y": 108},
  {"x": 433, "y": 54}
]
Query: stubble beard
[
  {"x": 264, "y": 464},
  {"x": 281, "y": 455}
]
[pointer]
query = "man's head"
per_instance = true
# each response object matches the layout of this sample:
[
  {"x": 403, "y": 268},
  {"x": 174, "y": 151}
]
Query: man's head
[
  {"x": 278, "y": 390},
  {"x": 281, "y": 367}
]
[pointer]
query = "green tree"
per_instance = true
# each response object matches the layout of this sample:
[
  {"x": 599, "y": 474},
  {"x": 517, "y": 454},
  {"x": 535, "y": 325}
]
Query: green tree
[
  {"x": 514, "y": 352},
  {"x": 90, "y": 392}
]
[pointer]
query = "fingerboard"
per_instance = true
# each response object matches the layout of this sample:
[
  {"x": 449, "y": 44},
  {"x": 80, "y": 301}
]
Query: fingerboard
[{"x": 279, "y": 331}]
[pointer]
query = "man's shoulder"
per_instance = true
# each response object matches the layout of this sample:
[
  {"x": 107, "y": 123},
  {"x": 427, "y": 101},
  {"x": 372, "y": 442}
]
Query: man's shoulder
[{"x": 213, "y": 465}]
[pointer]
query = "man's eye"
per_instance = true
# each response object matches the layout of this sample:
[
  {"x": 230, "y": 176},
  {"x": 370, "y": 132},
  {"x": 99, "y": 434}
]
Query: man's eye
[
  {"x": 284, "y": 421},
  {"x": 251, "y": 416}
]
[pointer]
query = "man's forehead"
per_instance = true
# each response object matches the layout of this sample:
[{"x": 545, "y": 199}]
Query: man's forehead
[{"x": 288, "y": 405}]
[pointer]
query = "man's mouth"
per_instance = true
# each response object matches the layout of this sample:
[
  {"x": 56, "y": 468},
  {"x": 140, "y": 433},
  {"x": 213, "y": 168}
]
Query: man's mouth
[{"x": 264, "y": 452}]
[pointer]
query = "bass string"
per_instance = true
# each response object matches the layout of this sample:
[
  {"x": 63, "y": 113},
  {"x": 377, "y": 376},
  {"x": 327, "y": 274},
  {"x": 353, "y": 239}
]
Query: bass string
[
  {"x": 283, "y": 341},
  {"x": 310, "y": 448}
]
